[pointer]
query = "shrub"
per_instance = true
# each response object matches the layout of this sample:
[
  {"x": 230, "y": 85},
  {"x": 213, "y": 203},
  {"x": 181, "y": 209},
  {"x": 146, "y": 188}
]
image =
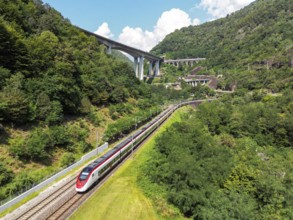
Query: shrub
[
  {"x": 6, "y": 175},
  {"x": 85, "y": 107},
  {"x": 56, "y": 114},
  {"x": 95, "y": 117},
  {"x": 58, "y": 136},
  {"x": 67, "y": 159},
  {"x": 39, "y": 143},
  {"x": 17, "y": 147},
  {"x": 84, "y": 147}
]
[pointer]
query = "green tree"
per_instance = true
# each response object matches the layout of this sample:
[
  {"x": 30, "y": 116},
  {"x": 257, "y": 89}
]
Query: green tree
[
  {"x": 4, "y": 75},
  {"x": 6, "y": 175},
  {"x": 43, "y": 49},
  {"x": 13, "y": 52},
  {"x": 67, "y": 159},
  {"x": 15, "y": 106}
]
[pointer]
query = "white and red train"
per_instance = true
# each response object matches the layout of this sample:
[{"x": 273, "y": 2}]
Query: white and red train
[{"x": 97, "y": 169}]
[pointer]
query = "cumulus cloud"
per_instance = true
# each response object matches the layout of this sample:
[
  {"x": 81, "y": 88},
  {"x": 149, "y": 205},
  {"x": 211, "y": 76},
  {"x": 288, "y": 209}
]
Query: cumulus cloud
[
  {"x": 104, "y": 31},
  {"x": 196, "y": 21},
  {"x": 170, "y": 21},
  {"x": 136, "y": 37},
  {"x": 220, "y": 8},
  {"x": 167, "y": 23}
]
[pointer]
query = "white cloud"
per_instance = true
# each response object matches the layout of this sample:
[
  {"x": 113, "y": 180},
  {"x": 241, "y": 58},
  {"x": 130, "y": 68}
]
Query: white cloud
[
  {"x": 167, "y": 23},
  {"x": 220, "y": 8},
  {"x": 104, "y": 31},
  {"x": 196, "y": 21},
  {"x": 136, "y": 37},
  {"x": 170, "y": 21}
]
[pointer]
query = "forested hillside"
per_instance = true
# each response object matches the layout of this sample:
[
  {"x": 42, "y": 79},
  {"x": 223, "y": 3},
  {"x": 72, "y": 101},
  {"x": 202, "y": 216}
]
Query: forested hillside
[
  {"x": 49, "y": 68},
  {"x": 261, "y": 31},
  {"x": 229, "y": 159},
  {"x": 232, "y": 158},
  {"x": 58, "y": 90}
]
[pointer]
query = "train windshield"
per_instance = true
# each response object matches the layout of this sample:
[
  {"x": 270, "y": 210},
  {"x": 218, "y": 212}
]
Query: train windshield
[{"x": 84, "y": 173}]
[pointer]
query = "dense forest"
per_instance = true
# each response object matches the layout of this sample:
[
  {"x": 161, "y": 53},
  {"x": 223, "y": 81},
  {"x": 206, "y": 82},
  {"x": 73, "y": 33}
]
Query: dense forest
[
  {"x": 58, "y": 90},
  {"x": 257, "y": 33},
  {"x": 232, "y": 158},
  {"x": 49, "y": 68},
  {"x": 229, "y": 159},
  {"x": 242, "y": 46}
]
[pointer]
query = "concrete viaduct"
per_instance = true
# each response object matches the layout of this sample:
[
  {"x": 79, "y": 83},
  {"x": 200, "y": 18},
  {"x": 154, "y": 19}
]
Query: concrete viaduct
[
  {"x": 138, "y": 55},
  {"x": 179, "y": 62},
  {"x": 195, "y": 82}
]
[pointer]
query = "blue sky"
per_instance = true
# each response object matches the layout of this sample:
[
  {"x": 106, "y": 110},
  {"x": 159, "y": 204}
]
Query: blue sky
[{"x": 142, "y": 23}]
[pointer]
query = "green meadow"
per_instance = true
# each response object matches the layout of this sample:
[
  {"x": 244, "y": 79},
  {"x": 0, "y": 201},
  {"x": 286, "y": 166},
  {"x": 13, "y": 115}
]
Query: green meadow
[{"x": 121, "y": 197}]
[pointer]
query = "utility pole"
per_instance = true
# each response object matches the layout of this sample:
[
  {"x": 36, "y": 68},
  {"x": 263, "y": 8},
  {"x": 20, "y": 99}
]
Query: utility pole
[{"x": 97, "y": 139}]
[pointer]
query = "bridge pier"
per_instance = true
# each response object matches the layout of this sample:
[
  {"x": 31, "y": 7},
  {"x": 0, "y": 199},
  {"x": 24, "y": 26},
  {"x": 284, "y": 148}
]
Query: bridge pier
[
  {"x": 135, "y": 61},
  {"x": 157, "y": 71},
  {"x": 109, "y": 49},
  {"x": 138, "y": 54},
  {"x": 140, "y": 71},
  {"x": 154, "y": 68},
  {"x": 151, "y": 71}
]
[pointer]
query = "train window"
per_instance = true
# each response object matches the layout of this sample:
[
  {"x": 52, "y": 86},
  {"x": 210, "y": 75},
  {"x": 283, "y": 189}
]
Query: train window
[
  {"x": 104, "y": 168},
  {"x": 83, "y": 176},
  {"x": 84, "y": 173}
]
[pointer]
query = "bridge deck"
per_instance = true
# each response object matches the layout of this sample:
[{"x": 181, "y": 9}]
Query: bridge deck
[{"x": 119, "y": 46}]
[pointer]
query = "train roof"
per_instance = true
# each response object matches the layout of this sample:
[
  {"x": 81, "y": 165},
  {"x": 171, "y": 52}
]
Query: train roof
[{"x": 101, "y": 159}]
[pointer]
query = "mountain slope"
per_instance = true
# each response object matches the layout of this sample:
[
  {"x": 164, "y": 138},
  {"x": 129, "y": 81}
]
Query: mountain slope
[
  {"x": 259, "y": 32},
  {"x": 58, "y": 89},
  {"x": 53, "y": 67}
]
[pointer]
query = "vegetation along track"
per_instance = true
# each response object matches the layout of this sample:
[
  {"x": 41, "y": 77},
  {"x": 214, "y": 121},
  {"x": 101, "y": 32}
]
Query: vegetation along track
[
  {"x": 71, "y": 205},
  {"x": 67, "y": 206},
  {"x": 62, "y": 203}
]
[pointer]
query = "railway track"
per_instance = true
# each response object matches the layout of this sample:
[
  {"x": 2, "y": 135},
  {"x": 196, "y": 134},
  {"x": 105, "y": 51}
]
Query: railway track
[
  {"x": 65, "y": 200},
  {"x": 61, "y": 203},
  {"x": 41, "y": 205},
  {"x": 73, "y": 203}
]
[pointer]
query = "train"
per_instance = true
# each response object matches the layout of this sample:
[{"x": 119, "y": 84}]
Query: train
[{"x": 96, "y": 170}]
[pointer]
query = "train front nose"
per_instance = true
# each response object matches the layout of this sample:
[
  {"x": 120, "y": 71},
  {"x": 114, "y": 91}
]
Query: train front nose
[{"x": 80, "y": 184}]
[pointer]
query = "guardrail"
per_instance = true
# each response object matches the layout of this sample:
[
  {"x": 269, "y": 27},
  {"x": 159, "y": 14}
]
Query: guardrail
[
  {"x": 50, "y": 180},
  {"x": 86, "y": 157}
]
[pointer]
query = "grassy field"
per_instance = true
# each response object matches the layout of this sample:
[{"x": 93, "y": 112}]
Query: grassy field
[{"x": 121, "y": 198}]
